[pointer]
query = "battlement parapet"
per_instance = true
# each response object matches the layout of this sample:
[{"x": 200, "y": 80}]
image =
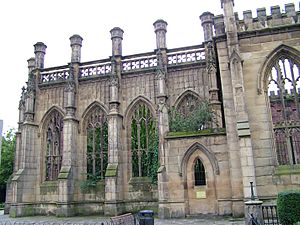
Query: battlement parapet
[
  {"x": 249, "y": 23},
  {"x": 277, "y": 94},
  {"x": 289, "y": 17}
]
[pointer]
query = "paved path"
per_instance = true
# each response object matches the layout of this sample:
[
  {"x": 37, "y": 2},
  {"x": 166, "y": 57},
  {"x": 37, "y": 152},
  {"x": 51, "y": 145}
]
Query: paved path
[{"x": 96, "y": 220}]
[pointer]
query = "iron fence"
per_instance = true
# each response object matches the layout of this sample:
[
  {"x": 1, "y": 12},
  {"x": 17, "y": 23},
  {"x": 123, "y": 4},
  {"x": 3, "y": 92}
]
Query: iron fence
[{"x": 270, "y": 215}]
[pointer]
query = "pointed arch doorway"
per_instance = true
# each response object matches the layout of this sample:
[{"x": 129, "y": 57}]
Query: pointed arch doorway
[{"x": 199, "y": 167}]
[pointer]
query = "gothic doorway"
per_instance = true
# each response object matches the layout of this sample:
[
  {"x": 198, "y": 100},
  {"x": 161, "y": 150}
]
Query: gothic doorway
[{"x": 199, "y": 181}]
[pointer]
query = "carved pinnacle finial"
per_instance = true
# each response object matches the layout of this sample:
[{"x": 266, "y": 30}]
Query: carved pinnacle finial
[
  {"x": 160, "y": 28},
  {"x": 39, "y": 51},
  {"x": 207, "y": 24},
  {"x": 76, "y": 43},
  {"x": 116, "y": 37}
]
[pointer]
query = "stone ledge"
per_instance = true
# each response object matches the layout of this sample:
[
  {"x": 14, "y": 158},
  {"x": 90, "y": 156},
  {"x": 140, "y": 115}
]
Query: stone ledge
[
  {"x": 287, "y": 169},
  {"x": 183, "y": 134}
]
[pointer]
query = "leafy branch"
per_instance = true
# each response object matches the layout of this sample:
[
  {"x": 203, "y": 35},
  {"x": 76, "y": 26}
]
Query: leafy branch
[{"x": 198, "y": 119}]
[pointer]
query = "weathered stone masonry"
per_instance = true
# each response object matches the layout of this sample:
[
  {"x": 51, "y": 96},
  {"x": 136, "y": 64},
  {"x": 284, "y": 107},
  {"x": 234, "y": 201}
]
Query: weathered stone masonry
[{"x": 63, "y": 108}]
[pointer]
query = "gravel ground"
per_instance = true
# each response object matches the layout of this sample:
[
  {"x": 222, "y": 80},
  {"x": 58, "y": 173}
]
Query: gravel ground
[{"x": 96, "y": 220}]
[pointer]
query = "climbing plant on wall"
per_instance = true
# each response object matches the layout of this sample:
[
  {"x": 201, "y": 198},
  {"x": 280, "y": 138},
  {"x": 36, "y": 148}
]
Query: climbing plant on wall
[
  {"x": 144, "y": 143},
  {"x": 198, "y": 118}
]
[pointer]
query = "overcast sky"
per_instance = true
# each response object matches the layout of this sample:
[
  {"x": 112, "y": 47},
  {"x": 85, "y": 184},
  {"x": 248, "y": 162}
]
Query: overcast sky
[{"x": 25, "y": 22}]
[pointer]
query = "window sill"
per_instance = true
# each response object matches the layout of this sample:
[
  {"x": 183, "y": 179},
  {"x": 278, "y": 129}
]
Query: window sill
[{"x": 287, "y": 169}]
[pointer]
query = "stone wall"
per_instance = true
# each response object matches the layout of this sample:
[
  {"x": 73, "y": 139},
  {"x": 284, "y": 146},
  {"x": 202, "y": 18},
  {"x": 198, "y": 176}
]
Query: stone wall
[{"x": 228, "y": 70}]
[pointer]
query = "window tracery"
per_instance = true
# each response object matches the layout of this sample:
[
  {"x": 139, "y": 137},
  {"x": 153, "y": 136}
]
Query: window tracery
[
  {"x": 97, "y": 144},
  {"x": 187, "y": 105},
  {"x": 283, "y": 91},
  {"x": 54, "y": 151},
  {"x": 144, "y": 143}
]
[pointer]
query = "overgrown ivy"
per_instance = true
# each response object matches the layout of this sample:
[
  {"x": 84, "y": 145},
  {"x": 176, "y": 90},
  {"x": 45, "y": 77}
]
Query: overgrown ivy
[
  {"x": 89, "y": 184},
  {"x": 199, "y": 119},
  {"x": 144, "y": 141}
]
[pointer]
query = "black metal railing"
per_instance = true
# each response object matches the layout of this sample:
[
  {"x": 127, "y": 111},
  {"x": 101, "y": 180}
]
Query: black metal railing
[{"x": 270, "y": 216}]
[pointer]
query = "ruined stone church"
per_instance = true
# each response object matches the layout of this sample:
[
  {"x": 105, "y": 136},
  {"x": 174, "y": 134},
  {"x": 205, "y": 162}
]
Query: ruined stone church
[{"x": 180, "y": 131}]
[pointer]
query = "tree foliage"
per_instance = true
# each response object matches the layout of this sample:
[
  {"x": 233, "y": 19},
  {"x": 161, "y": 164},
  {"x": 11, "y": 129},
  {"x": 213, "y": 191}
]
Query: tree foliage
[
  {"x": 144, "y": 144},
  {"x": 7, "y": 156},
  {"x": 198, "y": 119},
  {"x": 288, "y": 206}
]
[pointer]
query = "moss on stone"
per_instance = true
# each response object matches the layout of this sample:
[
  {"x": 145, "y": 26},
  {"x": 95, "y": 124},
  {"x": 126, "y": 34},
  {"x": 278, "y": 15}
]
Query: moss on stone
[
  {"x": 13, "y": 212},
  {"x": 206, "y": 132},
  {"x": 29, "y": 210},
  {"x": 90, "y": 186},
  {"x": 64, "y": 173},
  {"x": 112, "y": 170},
  {"x": 48, "y": 187},
  {"x": 287, "y": 169}
]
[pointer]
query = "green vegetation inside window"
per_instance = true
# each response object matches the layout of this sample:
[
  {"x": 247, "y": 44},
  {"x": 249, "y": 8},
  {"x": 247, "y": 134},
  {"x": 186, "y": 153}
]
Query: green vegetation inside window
[
  {"x": 191, "y": 114},
  {"x": 54, "y": 146},
  {"x": 97, "y": 145},
  {"x": 144, "y": 143}
]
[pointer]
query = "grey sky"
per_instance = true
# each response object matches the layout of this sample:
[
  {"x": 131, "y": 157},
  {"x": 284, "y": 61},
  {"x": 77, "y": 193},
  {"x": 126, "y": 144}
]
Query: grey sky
[{"x": 23, "y": 23}]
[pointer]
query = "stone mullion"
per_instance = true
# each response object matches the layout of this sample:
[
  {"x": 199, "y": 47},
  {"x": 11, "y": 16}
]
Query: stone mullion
[
  {"x": 94, "y": 153},
  {"x": 284, "y": 111},
  {"x": 282, "y": 91},
  {"x": 139, "y": 149},
  {"x": 101, "y": 148},
  {"x": 147, "y": 137},
  {"x": 51, "y": 160},
  {"x": 296, "y": 98}
]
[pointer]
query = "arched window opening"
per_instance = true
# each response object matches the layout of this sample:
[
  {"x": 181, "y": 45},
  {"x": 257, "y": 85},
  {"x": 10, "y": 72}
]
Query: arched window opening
[
  {"x": 199, "y": 172},
  {"x": 191, "y": 114},
  {"x": 97, "y": 144},
  {"x": 187, "y": 105},
  {"x": 144, "y": 143},
  {"x": 54, "y": 148},
  {"x": 283, "y": 91}
]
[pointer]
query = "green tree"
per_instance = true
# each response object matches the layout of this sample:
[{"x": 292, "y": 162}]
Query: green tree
[
  {"x": 7, "y": 156},
  {"x": 198, "y": 119}
]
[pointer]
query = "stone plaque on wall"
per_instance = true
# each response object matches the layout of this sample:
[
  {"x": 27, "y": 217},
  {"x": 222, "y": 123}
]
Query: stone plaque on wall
[{"x": 200, "y": 194}]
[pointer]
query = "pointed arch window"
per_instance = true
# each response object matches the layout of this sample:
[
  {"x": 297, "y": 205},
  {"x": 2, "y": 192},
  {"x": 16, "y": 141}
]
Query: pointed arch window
[
  {"x": 144, "y": 143},
  {"x": 188, "y": 104},
  {"x": 54, "y": 148},
  {"x": 191, "y": 114},
  {"x": 283, "y": 91},
  {"x": 97, "y": 144},
  {"x": 199, "y": 172}
]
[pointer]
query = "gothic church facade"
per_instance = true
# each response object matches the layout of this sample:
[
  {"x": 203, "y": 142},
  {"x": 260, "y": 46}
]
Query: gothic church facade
[{"x": 116, "y": 135}]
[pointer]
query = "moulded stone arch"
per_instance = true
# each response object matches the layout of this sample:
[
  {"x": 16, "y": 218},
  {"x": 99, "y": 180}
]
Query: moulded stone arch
[
  {"x": 89, "y": 109},
  {"x": 201, "y": 160},
  {"x": 201, "y": 148},
  {"x": 184, "y": 94},
  {"x": 43, "y": 130},
  {"x": 139, "y": 99},
  {"x": 265, "y": 69},
  {"x": 43, "y": 121},
  {"x": 235, "y": 56}
]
